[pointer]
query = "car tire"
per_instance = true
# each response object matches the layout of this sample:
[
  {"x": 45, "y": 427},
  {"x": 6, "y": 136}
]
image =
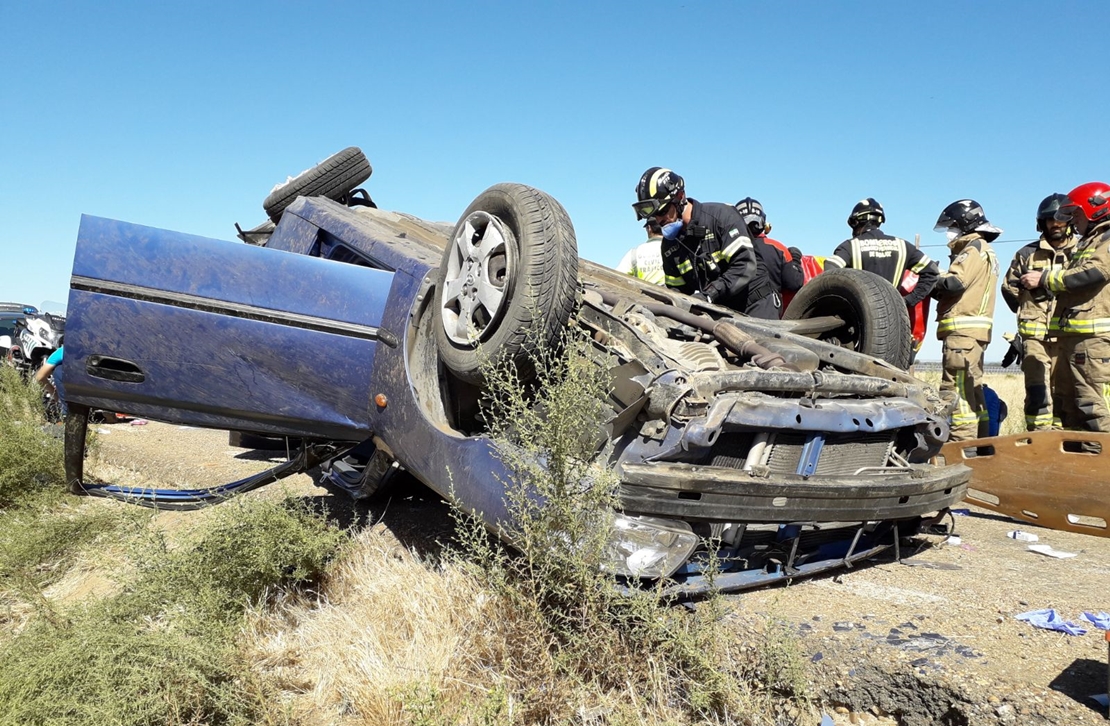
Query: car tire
[
  {"x": 332, "y": 178},
  {"x": 520, "y": 242},
  {"x": 875, "y": 318}
]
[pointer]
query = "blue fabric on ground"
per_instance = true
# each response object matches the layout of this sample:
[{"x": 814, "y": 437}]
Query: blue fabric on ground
[
  {"x": 1049, "y": 620},
  {"x": 1099, "y": 620},
  {"x": 996, "y": 411}
]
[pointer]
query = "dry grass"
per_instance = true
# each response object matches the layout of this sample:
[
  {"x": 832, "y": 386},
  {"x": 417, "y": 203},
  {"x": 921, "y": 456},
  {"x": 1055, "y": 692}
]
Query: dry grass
[
  {"x": 164, "y": 648},
  {"x": 394, "y": 640},
  {"x": 387, "y": 627},
  {"x": 1010, "y": 387}
]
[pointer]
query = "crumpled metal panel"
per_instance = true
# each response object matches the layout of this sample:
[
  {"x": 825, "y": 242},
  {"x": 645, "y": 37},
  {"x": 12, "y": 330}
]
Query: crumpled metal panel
[{"x": 763, "y": 412}]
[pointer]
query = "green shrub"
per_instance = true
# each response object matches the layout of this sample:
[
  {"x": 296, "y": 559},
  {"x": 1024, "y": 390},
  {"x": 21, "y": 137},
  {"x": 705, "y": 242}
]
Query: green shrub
[
  {"x": 30, "y": 457},
  {"x": 41, "y": 527},
  {"x": 164, "y": 650},
  {"x": 38, "y": 542},
  {"x": 249, "y": 547},
  {"x": 567, "y": 632}
]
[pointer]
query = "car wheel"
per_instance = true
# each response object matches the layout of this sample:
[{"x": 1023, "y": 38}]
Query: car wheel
[
  {"x": 332, "y": 178},
  {"x": 511, "y": 265},
  {"x": 875, "y": 318}
]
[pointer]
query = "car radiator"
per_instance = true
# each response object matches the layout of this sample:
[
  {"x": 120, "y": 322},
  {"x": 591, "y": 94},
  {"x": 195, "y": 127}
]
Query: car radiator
[{"x": 839, "y": 454}]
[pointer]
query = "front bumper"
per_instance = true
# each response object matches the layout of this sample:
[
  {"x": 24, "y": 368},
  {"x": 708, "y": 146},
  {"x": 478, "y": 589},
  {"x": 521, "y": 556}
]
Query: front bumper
[{"x": 695, "y": 493}]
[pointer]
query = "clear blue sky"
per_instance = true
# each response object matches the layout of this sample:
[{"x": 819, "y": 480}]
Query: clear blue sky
[{"x": 184, "y": 115}]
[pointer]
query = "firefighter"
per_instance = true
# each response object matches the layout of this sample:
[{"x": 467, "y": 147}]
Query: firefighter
[
  {"x": 645, "y": 261},
  {"x": 965, "y": 309},
  {"x": 1039, "y": 347},
  {"x": 903, "y": 265},
  {"x": 1082, "y": 314},
  {"x": 706, "y": 250},
  {"x": 783, "y": 264}
]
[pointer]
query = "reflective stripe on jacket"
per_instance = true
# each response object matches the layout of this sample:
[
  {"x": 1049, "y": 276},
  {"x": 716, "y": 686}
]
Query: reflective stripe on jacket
[
  {"x": 1034, "y": 307},
  {"x": 890, "y": 258},
  {"x": 712, "y": 255},
  {"x": 1082, "y": 292},
  {"x": 971, "y": 311}
]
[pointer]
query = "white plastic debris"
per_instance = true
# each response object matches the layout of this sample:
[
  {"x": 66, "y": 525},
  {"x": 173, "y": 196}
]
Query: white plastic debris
[
  {"x": 1044, "y": 549},
  {"x": 1023, "y": 536}
]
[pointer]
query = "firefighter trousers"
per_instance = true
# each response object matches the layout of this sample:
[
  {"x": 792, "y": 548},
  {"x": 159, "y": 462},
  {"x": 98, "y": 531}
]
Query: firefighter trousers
[
  {"x": 1045, "y": 378},
  {"x": 1088, "y": 357},
  {"x": 961, "y": 385}
]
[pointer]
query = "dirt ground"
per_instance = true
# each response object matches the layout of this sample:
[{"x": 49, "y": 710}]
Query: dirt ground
[{"x": 930, "y": 640}]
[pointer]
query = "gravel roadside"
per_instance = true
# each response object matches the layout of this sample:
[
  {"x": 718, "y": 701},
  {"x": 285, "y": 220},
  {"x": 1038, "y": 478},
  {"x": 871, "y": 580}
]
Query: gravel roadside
[{"x": 934, "y": 638}]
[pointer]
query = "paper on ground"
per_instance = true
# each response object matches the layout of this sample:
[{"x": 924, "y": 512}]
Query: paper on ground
[{"x": 1047, "y": 550}]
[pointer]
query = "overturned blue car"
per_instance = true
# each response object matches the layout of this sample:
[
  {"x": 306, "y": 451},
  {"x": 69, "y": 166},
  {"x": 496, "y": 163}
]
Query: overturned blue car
[{"x": 790, "y": 447}]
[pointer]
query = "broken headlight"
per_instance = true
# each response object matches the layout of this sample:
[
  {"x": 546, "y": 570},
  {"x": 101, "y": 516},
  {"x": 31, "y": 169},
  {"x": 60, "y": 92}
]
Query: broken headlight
[{"x": 648, "y": 546}]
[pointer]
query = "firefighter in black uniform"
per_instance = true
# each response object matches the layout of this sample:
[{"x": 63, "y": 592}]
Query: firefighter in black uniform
[
  {"x": 783, "y": 264},
  {"x": 706, "y": 250},
  {"x": 888, "y": 257}
]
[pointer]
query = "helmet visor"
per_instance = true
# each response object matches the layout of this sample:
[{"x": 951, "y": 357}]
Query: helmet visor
[
  {"x": 648, "y": 208},
  {"x": 1068, "y": 212}
]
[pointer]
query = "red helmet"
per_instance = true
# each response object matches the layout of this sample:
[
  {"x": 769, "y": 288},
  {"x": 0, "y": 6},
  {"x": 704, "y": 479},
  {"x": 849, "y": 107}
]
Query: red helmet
[{"x": 1092, "y": 200}]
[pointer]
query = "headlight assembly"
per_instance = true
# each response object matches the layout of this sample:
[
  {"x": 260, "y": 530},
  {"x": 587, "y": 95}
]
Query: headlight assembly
[{"x": 648, "y": 546}]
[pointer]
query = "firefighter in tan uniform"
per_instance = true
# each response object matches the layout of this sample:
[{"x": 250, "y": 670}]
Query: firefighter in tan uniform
[
  {"x": 1044, "y": 379},
  {"x": 965, "y": 311},
  {"x": 1082, "y": 315}
]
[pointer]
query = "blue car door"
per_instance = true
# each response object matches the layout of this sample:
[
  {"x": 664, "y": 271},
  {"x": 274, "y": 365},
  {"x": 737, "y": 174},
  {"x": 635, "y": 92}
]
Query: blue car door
[{"x": 212, "y": 333}]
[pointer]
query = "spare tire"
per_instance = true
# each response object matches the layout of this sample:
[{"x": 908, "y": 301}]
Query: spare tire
[
  {"x": 508, "y": 281},
  {"x": 332, "y": 178},
  {"x": 876, "y": 321}
]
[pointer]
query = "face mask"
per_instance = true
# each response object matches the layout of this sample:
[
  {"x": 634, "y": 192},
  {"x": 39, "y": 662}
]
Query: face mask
[
  {"x": 671, "y": 231},
  {"x": 951, "y": 233}
]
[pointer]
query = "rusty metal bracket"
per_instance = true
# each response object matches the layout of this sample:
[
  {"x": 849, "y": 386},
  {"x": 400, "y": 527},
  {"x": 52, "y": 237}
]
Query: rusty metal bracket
[
  {"x": 852, "y": 548},
  {"x": 1057, "y": 479}
]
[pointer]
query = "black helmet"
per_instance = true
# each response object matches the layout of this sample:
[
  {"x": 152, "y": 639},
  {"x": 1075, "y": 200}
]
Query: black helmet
[
  {"x": 966, "y": 215},
  {"x": 752, "y": 212},
  {"x": 866, "y": 210},
  {"x": 658, "y": 187},
  {"x": 1048, "y": 208}
]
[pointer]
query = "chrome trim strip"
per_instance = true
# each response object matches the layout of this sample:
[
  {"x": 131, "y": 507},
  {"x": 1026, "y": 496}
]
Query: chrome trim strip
[{"x": 223, "y": 307}]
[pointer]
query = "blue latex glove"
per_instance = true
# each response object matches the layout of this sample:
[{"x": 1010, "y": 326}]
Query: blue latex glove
[
  {"x": 1049, "y": 620},
  {"x": 1099, "y": 620}
]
